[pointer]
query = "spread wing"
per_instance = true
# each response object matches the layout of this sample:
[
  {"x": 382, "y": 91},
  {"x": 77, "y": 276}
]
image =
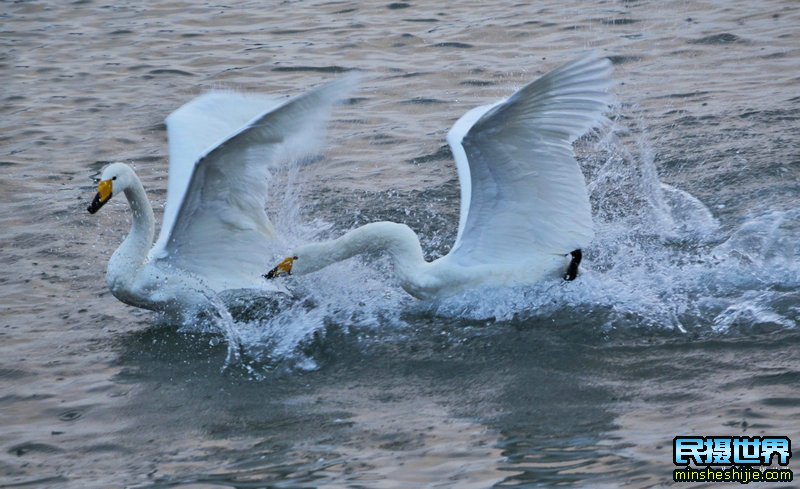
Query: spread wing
[
  {"x": 521, "y": 187},
  {"x": 222, "y": 146}
]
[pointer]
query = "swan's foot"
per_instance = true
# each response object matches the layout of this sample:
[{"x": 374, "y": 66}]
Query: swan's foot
[{"x": 572, "y": 268}]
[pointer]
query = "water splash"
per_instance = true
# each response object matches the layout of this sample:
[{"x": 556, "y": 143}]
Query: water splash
[
  {"x": 659, "y": 261},
  {"x": 659, "y": 258},
  {"x": 761, "y": 260},
  {"x": 268, "y": 331},
  {"x": 213, "y": 316}
]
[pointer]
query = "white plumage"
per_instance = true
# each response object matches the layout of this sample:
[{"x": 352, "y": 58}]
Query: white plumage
[
  {"x": 215, "y": 233},
  {"x": 524, "y": 203}
]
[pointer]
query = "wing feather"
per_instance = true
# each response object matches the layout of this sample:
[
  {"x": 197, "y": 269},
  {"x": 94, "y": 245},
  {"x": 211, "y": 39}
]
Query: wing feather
[
  {"x": 220, "y": 230},
  {"x": 522, "y": 189}
]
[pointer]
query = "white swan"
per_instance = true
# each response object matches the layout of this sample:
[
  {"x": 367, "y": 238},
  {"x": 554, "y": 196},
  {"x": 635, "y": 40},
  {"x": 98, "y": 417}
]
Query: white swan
[
  {"x": 215, "y": 231},
  {"x": 524, "y": 204}
]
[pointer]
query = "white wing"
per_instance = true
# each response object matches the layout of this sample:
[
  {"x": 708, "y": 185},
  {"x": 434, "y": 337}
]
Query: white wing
[
  {"x": 521, "y": 188},
  {"x": 193, "y": 131},
  {"x": 222, "y": 146}
]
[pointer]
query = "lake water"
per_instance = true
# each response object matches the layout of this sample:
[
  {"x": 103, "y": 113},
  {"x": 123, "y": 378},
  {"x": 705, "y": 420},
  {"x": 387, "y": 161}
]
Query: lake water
[{"x": 684, "y": 320}]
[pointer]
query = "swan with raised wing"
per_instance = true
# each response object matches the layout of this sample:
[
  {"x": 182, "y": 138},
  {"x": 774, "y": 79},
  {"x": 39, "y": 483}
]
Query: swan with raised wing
[
  {"x": 525, "y": 213},
  {"x": 215, "y": 232}
]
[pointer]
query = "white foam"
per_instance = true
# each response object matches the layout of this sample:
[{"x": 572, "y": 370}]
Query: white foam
[{"x": 659, "y": 260}]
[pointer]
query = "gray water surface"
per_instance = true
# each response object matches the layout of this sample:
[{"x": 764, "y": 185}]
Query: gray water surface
[{"x": 684, "y": 320}]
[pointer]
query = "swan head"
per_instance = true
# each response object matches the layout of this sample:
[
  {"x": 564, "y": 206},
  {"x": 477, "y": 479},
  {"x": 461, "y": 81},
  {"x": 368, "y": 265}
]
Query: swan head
[
  {"x": 114, "y": 179},
  {"x": 282, "y": 268}
]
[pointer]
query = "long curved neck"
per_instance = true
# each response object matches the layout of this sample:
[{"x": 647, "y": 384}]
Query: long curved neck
[
  {"x": 132, "y": 253},
  {"x": 398, "y": 240}
]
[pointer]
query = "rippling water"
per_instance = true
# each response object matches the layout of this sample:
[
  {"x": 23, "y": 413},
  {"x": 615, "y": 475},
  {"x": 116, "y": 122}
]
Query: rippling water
[{"x": 684, "y": 320}]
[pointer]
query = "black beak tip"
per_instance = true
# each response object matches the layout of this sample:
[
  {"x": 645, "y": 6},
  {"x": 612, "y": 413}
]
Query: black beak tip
[{"x": 95, "y": 205}]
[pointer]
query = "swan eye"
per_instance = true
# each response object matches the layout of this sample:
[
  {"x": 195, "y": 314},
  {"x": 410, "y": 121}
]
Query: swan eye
[{"x": 113, "y": 178}]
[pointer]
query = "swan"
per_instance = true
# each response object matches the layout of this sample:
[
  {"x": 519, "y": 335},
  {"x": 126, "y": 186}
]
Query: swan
[
  {"x": 215, "y": 230},
  {"x": 525, "y": 212}
]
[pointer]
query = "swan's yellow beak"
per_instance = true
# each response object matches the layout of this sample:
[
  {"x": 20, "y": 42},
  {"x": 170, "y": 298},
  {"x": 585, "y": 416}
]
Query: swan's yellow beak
[
  {"x": 104, "y": 191},
  {"x": 283, "y": 268}
]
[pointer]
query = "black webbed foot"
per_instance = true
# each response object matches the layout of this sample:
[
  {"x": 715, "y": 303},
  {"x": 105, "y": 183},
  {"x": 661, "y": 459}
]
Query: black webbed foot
[{"x": 572, "y": 268}]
